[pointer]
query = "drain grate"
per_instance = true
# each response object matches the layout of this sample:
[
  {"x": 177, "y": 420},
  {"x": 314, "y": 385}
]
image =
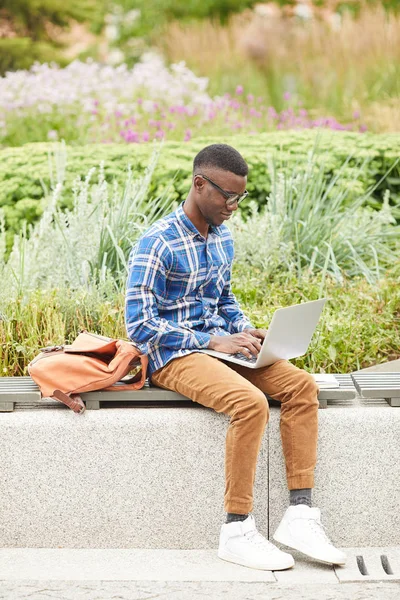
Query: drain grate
[
  {"x": 386, "y": 565},
  {"x": 361, "y": 565},
  {"x": 370, "y": 564}
]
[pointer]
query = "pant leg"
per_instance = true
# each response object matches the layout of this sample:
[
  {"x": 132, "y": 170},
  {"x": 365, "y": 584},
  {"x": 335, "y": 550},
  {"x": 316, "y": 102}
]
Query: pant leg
[
  {"x": 210, "y": 382},
  {"x": 298, "y": 393}
]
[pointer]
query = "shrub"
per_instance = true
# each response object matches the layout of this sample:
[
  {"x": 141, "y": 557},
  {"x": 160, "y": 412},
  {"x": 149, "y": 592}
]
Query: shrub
[
  {"x": 25, "y": 177},
  {"x": 360, "y": 325}
]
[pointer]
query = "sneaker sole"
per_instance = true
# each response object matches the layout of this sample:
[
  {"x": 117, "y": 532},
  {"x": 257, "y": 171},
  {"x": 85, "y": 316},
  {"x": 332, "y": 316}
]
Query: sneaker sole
[
  {"x": 225, "y": 555},
  {"x": 304, "y": 549}
]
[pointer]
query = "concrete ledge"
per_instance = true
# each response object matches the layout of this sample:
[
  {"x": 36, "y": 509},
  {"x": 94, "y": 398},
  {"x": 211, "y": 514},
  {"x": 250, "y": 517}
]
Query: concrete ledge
[
  {"x": 357, "y": 478},
  {"x": 154, "y": 477},
  {"x": 116, "y": 478}
]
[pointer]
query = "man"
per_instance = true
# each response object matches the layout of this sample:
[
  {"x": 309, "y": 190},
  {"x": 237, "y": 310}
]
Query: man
[{"x": 178, "y": 301}]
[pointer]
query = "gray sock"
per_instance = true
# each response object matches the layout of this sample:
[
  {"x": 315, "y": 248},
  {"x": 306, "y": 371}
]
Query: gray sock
[
  {"x": 302, "y": 496},
  {"x": 235, "y": 517}
]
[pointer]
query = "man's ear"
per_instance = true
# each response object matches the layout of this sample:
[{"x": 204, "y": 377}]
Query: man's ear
[{"x": 198, "y": 183}]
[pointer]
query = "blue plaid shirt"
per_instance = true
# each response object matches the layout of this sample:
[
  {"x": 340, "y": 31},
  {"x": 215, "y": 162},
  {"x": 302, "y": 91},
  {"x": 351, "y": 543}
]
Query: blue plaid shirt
[{"x": 179, "y": 289}]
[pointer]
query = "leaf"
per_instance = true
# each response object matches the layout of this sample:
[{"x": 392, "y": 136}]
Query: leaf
[{"x": 332, "y": 353}]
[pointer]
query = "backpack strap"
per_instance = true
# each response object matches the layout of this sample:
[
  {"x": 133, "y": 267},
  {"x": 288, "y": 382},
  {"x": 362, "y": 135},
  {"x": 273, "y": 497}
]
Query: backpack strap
[{"x": 74, "y": 401}]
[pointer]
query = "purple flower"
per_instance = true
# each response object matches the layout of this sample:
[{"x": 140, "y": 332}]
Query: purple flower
[
  {"x": 250, "y": 97},
  {"x": 362, "y": 128},
  {"x": 356, "y": 114},
  {"x": 145, "y": 136},
  {"x": 234, "y": 104},
  {"x": 287, "y": 96},
  {"x": 188, "y": 135},
  {"x": 239, "y": 90},
  {"x": 272, "y": 112}
]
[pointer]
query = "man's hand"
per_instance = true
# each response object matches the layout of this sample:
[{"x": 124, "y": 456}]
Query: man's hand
[
  {"x": 258, "y": 333},
  {"x": 245, "y": 342}
]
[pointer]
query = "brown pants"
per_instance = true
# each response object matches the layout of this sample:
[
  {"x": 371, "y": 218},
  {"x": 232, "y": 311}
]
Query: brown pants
[{"x": 239, "y": 392}]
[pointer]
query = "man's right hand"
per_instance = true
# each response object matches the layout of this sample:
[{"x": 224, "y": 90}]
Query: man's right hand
[{"x": 242, "y": 342}]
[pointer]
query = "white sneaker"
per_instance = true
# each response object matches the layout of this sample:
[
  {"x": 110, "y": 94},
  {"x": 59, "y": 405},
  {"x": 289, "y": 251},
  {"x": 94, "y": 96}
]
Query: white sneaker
[
  {"x": 301, "y": 529},
  {"x": 241, "y": 543}
]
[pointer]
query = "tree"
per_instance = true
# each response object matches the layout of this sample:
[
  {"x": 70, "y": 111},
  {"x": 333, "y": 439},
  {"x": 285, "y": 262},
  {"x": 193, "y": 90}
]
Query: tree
[{"x": 29, "y": 28}]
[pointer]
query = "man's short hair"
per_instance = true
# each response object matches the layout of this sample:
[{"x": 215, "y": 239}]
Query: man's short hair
[{"x": 221, "y": 156}]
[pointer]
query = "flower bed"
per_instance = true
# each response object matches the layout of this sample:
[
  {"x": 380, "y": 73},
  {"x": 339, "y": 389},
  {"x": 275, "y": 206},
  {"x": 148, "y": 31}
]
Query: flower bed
[{"x": 88, "y": 103}]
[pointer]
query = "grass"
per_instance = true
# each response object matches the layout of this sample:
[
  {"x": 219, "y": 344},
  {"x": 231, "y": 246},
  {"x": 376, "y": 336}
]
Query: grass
[
  {"x": 360, "y": 325},
  {"x": 331, "y": 71}
]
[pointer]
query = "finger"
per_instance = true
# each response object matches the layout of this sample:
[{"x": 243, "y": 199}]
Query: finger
[
  {"x": 259, "y": 333},
  {"x": 253, "y": 348},
  {"x": 253, "y": 341},
  {"x": 245, "y": 351}
]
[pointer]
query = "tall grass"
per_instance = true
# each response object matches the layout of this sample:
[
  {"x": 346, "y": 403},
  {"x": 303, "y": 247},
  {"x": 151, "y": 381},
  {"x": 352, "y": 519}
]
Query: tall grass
[
  {"x": 340, "y": 70},
  {"x": 360, "y": 324},
  {"x": 86, "y": 245},
  {"x": 308, "y": 226}
]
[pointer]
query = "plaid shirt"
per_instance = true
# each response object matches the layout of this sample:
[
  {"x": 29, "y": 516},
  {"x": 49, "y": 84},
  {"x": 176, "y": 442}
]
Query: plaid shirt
[{"x": 179, "y": 289}]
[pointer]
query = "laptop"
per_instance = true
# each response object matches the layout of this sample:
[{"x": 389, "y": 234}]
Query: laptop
[{"x": 288, "y": 336}]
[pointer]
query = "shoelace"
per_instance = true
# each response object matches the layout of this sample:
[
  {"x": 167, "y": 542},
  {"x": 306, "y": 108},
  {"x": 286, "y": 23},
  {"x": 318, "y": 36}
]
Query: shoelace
[
  {"x": 319, "y": 529},
  {"x": 259, "y": 540}
]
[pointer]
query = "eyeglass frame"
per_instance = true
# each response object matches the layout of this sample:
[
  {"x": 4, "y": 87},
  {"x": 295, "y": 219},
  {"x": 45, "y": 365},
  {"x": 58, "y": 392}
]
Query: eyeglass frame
[{"x": 228, "y": 197}]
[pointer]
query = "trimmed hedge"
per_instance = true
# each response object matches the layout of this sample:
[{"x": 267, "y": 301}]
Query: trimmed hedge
[{"x": 24, "y": 170}]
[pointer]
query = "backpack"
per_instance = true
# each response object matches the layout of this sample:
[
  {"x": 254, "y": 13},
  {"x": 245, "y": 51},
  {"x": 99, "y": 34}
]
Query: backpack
[{"x": 91, "y": 362}]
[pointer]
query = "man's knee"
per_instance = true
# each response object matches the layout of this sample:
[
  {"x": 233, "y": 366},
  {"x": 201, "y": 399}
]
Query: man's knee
[
  {"x": 309, "y": 387},
  {"x": 254, "y": 403}
]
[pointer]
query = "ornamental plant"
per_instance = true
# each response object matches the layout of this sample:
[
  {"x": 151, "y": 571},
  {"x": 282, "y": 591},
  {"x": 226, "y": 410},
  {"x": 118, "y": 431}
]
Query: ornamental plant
[{"x": 88, "y": 103}]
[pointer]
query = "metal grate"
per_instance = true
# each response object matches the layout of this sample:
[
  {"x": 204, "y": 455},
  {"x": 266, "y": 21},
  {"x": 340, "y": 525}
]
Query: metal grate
[
  {"x": 378, "y": 385},
  {"x": 370, "y": 564}
]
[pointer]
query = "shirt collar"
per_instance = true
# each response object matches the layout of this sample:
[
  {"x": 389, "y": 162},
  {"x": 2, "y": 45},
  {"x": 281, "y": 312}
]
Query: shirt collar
[{"x": 187, "y": 224}]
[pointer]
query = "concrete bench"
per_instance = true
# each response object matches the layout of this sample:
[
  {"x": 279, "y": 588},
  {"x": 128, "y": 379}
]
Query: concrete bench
[
  {"x": 24, "y": 391},
  {"x": 149, "y": 476},
  {"x": 378, "y": 385}
]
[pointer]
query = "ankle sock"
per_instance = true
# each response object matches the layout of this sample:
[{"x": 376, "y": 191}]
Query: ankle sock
[
  {"x": 235, "y": 517},
  {"x": 301, "y": 496}
]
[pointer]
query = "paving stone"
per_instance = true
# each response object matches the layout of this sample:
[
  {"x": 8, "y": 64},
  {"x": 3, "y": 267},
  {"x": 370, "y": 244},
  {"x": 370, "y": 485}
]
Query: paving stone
[{"x": 199, "y": 590}]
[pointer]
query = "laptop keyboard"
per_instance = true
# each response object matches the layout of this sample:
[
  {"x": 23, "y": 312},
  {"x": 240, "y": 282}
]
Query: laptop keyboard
[{"x": 241, "y": 356}]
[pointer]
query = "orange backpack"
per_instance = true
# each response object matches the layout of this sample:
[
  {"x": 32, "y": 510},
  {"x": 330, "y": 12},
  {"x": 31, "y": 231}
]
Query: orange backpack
[{"x": 91, "y": 362}]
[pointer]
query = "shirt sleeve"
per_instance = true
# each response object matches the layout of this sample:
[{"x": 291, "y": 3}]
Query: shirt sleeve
[
  {"x": 229, "y": 309},
  {"x": 147, "y": 276}
]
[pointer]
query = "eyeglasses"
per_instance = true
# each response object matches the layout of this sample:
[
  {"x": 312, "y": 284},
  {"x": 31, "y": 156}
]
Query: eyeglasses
[{"x": 230, "y": 199}]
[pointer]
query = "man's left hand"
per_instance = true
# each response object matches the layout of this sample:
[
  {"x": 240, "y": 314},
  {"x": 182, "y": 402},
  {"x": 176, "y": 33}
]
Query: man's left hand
[{"x": 258, "y": 333}]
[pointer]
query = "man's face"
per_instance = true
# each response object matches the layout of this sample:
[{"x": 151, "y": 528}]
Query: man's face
[{"x": 210, "y": 200}]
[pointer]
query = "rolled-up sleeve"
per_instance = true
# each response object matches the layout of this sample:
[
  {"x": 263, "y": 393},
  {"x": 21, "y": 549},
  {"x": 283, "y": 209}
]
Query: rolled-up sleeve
[{"x": 149, "y": 262}]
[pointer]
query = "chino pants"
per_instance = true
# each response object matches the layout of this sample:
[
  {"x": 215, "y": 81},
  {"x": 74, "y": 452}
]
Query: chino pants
[{"x": 239, "y": 392}]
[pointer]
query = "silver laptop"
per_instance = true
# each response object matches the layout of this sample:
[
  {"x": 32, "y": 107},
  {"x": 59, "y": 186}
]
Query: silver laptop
[{"x": 288, "y": 336}]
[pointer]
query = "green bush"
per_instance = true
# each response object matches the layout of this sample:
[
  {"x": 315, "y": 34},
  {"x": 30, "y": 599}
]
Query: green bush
[
  {"x": 360, "y": 325},
  {"x": 25, "y": 178},
  {"x": 21, "y": 53}
]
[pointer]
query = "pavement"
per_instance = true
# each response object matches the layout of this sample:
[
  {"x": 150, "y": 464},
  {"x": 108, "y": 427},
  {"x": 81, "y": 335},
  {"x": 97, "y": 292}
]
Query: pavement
[
  {"x": 197, "y": 590},
  {"x": 141, "y": 574}
]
